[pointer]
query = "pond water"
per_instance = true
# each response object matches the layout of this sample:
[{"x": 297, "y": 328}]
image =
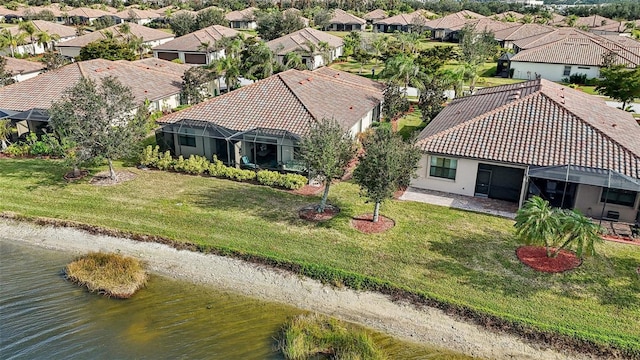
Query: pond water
[{"x": 42, "y": 316}]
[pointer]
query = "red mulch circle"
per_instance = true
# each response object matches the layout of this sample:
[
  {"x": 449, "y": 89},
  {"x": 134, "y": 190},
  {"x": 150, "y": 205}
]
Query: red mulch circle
[
  {"x": 364, "y": 223},
  {"x": 309, "y": 213},
  {"x": 536, "y": 258},
  {"x": 308, "y": 190}
]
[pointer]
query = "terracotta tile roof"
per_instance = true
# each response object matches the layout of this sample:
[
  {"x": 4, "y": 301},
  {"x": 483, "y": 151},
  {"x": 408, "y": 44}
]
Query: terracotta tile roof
[
  {"x": 594, "y": 21},
  {"x": 242, "y": 15},
  {"x": 193, "y": 41},
  {"x": 298, "y": 40},
  {"x": 298, "y": 13},
  {"x": 343, "y": 17},
  {"x": 19, "y": 66},
  {"x": 550, "y": 37},
  {"x": 163, "y": 66},
  {"x": 139, "y": 14},
  {"x": 351, "y": 79},
  {"x": 484, "y": 24},
  {"x": 536, "y": 123},
  {"x": 52, "y": 28},
  {"x": 522, "y": 31},
  {"x": 581, "y": 50},
  {"x": 146, "y": 83},
  {"x": 87, "y": 12},
  {"x": 286, "y": 101},
  {"x": 146, "y": 33},
  {"x": 377, "y": 14},
  {"x": 404, "y": 19},
  {"x": 625, "y": 41},
  {"x": 454, "y": 20}
]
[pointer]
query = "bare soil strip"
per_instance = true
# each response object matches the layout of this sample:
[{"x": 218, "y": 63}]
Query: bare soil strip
[{"x": 424, "y": 325}]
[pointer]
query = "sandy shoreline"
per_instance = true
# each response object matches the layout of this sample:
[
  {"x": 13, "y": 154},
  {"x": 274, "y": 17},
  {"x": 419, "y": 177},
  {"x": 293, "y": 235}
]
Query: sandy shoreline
[{"x": 427, "y": 325}]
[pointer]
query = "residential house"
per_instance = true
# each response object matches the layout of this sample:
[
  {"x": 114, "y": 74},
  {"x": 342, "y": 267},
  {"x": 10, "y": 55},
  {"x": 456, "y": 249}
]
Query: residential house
[
  {"x": 402, "y": 22},
  {"x": 508, "y": 16},
  {"x": 375, "y": 15},
  {"x": 343, "y": 21},
  {"x": 558, "y": 55},
  {"x": 64, "y": 33},
  {"x": 615, "y": 28},
  {"x": 477, "y": 26},
  {"x": 242, "y": 19},
  {"x": 138, "y": 16},
  {"x": 506, "y": 37},
  {"x": 442, "y": 28},
  {"x": 199, "y": 47},
  {"x": 151, "y": 37},
  {"x": 21, "y": 70},
  {"x": 535, "y": 138},
  {"x": 85, "y": 15},
  {"x": 262, "y": 123},
  {"x": 27, "y": 102},
  {"x": 308, "y": 42}
]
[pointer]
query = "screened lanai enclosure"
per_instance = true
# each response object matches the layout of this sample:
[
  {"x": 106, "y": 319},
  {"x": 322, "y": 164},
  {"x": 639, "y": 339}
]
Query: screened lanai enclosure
[
  {"x": 597, "y": 193},
  {"x": 254, "y": 148}
]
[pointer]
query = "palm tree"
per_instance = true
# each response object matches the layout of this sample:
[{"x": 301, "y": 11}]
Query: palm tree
[
  {"x": 30, "y": 29},
  {"x": 229, "y": 67},
  {"x": 11, "y": 40},
  {"x": 580, "y": 230},
  {"x": 44, "y": 39},
  {"x": 402, "y": 70},
  {"x": 378, "y": 45},
  {"x": 263, "y": 59},
  {"x": 538, "y": 223},
  {"x": 293, "y": 60},
  {"x": 5, "y": 131}
]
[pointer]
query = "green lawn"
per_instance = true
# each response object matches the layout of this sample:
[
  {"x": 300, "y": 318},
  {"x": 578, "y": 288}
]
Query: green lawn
[
  {"x": 410, "y": 123},
  {"x": 453, "y": 256}
]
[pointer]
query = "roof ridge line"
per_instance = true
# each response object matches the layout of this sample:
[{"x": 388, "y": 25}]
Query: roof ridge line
[
  {"x": 590, "y": 125},
  {"x": 296, "y": 95}
]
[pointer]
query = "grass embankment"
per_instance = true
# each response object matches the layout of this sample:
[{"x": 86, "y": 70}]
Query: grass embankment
[
  {"x": 307, "y": 336},
  {"x": 454, "y": 259},
  {"x": 113, "y": 275}
]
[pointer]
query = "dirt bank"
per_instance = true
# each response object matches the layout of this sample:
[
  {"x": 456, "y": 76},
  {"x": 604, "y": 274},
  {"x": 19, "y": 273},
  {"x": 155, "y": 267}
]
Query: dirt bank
[{"x": 426, "y": 325}]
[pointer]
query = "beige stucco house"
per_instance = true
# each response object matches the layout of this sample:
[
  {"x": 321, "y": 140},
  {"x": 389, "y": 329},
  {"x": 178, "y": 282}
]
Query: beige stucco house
[{"x": 514, "y": 141}]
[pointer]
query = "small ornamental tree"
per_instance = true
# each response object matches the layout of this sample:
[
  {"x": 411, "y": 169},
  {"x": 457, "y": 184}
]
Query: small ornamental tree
[
  {"x": 108, "y": 49},
  {"x": 387, "y": 164},
  {"x": 5, "y": 76},
  {"x": 395, "y": 103},
  {"x": 195, "y": 85},
  {"x": 619, "y": 83},
  {"x": 327, "y": 151},
  {"x": 101, "y": 121},
  {"x": 537, "y": 223}
]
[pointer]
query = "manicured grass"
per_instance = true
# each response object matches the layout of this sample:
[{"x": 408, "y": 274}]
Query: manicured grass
[
  {"x": 410, "y": 123},
  {"x": 453, "y": 256}
]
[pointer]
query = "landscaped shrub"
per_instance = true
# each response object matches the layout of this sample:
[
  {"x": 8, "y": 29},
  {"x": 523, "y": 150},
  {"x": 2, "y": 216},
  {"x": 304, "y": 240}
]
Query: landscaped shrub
[
  {"x": 165, "y": 162},
  {"x": 217, "y": 168},
  {"x": 17, "y": 150},
  {"x": 47, "y": 145},
  {"x": 240, "y": 174},
  {"x": 293, "y": 181},
  {"x": 150, "y": 156},
  {"x": 269, "y": 178},
  {"x": 195, "y": 165}
]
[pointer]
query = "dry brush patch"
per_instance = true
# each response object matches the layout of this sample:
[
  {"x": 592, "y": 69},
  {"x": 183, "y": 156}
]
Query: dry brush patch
[{"x": 112, "y": 275}]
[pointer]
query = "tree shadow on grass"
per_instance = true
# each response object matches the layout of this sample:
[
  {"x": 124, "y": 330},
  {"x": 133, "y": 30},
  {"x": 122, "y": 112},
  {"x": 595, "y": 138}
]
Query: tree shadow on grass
[
  {"x": 264, "y": 202},
  {"x": 621, "y": 289},
  {"x": 36, "y": 172},
  {"x": 481, "y": 262}
]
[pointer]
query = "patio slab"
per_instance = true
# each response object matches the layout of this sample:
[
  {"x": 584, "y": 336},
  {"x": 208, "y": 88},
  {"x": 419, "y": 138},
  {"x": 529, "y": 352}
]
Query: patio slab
[{"x": 471, "y": 203}]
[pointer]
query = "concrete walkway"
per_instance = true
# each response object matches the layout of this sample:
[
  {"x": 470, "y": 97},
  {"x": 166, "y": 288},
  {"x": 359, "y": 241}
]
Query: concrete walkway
[{"x": 477, "y": 204}]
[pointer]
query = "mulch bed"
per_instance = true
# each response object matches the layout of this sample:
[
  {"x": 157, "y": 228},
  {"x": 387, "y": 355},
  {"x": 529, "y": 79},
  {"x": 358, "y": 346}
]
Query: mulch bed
[
  {"x": 308, "y": 190},
  {"x": 309, "y": 213},
  {"x": 70, "y": 177},
  {"x": 364, "y": 223},
  {"x": 104, "y": 178},
  {"x": 536, "y": 258}
]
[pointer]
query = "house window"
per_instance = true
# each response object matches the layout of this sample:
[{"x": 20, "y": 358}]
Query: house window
[
  {"x": 567, "y": 71},
  {"x": 187, "y": 140},
  {"x": 583, "y": 68},
  {"x": 619, "y": 197},
  {"x": 443, "y": 167}
]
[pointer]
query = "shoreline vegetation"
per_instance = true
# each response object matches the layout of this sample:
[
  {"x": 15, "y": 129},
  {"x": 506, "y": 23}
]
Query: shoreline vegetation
[
  {"x": 460, "y": 262},
  {"x": 109, "y": 274}
]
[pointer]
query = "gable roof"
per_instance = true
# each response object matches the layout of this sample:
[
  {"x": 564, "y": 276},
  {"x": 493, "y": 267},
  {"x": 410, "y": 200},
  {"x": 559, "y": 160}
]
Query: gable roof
[
  {"x": 504, "y": 15},
  {"x": 594, "y": 21},
  {"x": 144, "y": 32},
  {"x": 483, "y": 24},
  {"x": 52, "y": 28},
  {"x": 19, "y": 66},
  {"x": 298, "y": 41},
  {"x": 521, "y": 31},
  {"x": 454, "y": 20},
  {"x": 87, "y": 12},
  {"x": 342, "y": 17},
  {"x": 138, "y": 13},
  {"x": 146, "y": 82},
  {"x": 247, "y": 14},
  {"x": 404, "y": 19},
  {"x": 536, "y": 123},
  {"x": 193, "y": 41},
  {"x": 376, "y": 14},
  {"x": 287, "y": 101},
  {"x": 579, "y": 50}
]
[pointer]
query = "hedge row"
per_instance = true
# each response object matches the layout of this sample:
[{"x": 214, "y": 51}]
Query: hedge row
[{"x": 199, "y": 165}]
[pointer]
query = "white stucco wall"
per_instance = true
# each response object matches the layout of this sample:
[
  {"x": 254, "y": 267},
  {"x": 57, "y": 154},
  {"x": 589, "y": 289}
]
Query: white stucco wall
[
  {"x": 70, "y": 51},
  {"x": 552, "y": 72},
  {"x": 363, "y": 124},
  {"x": 25, "y": 76},
  {"x": 168, "y": 103},
  {"x": 464, "y": 184},
  {"x": 588, "y": 202}
]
